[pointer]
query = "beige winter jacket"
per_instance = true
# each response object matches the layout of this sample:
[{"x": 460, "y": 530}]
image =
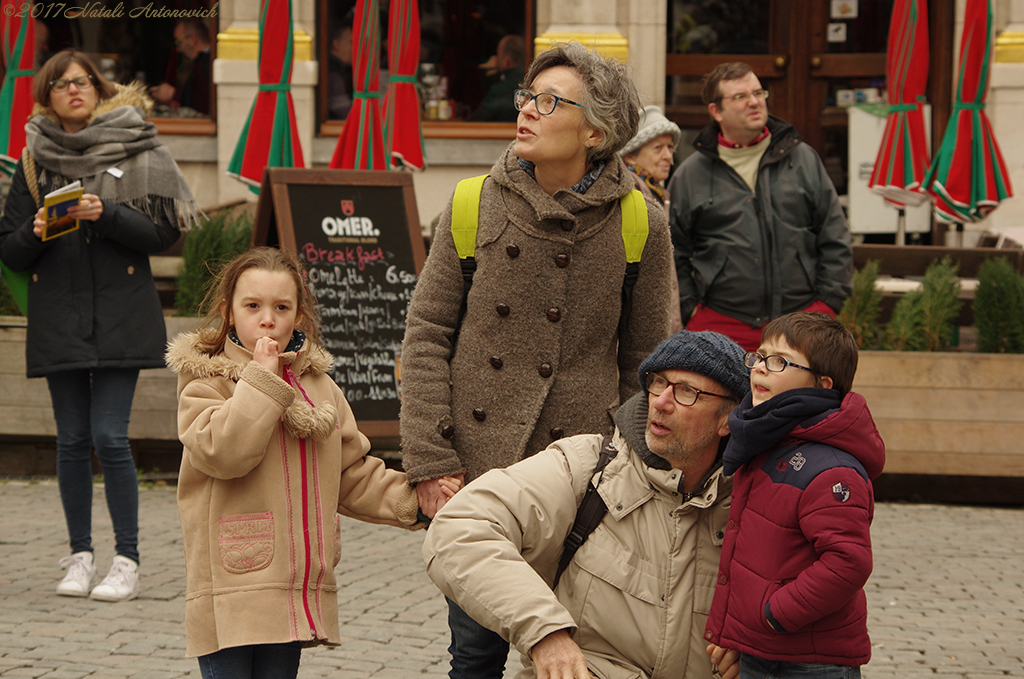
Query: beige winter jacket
[
  {"x": 263, "y": 477},
  {"x": 540, "y": 352},
  {"x": 636, "y": 595}
]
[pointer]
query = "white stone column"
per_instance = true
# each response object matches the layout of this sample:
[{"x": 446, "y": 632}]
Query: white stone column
[{"x": 632, "y": 30}]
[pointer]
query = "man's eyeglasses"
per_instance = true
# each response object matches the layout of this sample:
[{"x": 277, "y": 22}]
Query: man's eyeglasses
[
  {"x": 546, "y": 102},
  {"x": 684, "y": 394},
  {"x": 761, "y": 95},
  {"x": 82, "y": 82},
  {"x": 774, "y": 363}
]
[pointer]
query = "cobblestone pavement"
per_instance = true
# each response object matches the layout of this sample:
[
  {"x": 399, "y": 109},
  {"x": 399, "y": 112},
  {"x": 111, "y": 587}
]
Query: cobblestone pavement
[{"x": 946, "y": 597}]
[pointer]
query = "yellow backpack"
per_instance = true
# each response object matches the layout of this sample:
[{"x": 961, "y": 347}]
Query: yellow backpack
[{"x": 466, "y": 220}]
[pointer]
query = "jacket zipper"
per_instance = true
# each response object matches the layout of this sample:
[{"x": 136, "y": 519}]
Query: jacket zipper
[
  {"x": 292, "y": 380},
  {"x": 305, "y": 536}
]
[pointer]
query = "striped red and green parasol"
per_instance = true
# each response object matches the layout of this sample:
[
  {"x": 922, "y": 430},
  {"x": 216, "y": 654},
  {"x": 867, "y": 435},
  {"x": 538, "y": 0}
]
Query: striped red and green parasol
[
  {"x": 17, "y": 41},
  {"x": 903, "y": 157},
  {"x": 968, "y": 178},
  {"x": 270, "y": 137},
  {"x": 403, "y": 138},
  {"x": 361, "y": 143}
]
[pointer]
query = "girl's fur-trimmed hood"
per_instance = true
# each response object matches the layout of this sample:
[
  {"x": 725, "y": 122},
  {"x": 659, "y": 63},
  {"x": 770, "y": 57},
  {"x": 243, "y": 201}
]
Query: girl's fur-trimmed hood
[
  {"x": 301, "y": 419},
  {"x": 132, "y": 94}
]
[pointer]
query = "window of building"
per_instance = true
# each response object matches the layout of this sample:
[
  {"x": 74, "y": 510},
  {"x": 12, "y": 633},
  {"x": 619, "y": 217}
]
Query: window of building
[
  {"x": 472, "y": 56},
  {"x": 149, "y": 43}
]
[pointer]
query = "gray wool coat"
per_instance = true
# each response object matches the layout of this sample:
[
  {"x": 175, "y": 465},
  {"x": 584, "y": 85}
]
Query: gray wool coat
[{"x": 540, "y": 352}]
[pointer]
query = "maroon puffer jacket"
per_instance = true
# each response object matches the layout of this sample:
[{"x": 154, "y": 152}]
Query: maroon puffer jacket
[{"x": 797, "y": 548}]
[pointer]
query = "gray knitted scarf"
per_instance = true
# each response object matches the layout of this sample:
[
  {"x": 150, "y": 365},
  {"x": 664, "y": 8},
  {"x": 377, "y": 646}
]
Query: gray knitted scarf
[{"x": 120, "y": 138}]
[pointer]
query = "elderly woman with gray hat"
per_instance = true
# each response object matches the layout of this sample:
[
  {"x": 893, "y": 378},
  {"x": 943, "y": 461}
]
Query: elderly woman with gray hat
[
  {"x": 650, "y": 153},
  {"x": 649, "y": 156}
]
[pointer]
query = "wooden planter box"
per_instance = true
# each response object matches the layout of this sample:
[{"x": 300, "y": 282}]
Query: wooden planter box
[
  {"x": 25, "y": 408},
  {"x": 947, "y": 413}
]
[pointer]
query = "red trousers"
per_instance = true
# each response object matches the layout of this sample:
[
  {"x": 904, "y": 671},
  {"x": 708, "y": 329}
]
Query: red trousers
[{"x": 739, "y": 332}]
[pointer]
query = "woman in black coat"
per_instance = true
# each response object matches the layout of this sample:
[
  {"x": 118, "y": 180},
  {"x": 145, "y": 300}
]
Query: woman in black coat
[{"x": 94, "y": 316}]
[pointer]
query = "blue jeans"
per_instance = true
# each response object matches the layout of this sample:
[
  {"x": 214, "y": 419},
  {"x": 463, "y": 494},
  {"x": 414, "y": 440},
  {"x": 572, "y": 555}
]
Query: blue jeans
[
  {"x": 91, "y": 408},
  {"x": 752, "y": 667},
  {"x": 477, "y": 652},
  {"x": 262, "y": 661}
]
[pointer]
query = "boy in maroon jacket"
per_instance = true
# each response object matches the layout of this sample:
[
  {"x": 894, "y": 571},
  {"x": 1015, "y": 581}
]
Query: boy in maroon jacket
[{"x": 797, "y": 548}]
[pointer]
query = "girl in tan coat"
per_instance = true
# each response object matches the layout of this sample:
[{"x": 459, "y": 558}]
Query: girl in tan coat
[{"x": 271, "y": 456}]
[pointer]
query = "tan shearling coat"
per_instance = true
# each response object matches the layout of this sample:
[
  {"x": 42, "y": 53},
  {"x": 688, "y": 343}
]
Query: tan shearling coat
[
  {"x": 636, "y": 595},
  {"x": 540, "y": 352},
  {"x": 266, "y": 468}
]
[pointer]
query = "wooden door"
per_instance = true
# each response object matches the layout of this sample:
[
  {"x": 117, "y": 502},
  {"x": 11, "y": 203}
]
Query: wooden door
[{"x": 807, "y": 53}]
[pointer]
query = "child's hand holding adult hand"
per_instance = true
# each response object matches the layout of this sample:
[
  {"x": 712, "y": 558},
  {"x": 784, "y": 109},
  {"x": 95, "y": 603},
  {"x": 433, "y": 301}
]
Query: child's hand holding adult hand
[{"x": 266, "y": 354}]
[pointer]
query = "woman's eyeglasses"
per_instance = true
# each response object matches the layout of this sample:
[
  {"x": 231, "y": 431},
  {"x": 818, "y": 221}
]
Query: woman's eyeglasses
[
  {"x": 546, "y": 102},
  {"x": 82, "y": 82}
]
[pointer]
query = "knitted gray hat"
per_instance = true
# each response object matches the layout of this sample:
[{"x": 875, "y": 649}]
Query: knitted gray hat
[
  {"x": 706, "y": 353},
  {"x": 653, "y": 123}
]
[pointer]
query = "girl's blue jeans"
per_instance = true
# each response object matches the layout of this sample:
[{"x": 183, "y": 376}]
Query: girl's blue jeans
[{"x": 261, "y": 661}]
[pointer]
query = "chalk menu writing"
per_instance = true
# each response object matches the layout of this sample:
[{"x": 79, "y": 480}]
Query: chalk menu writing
[{"x": 355, "y": 241}]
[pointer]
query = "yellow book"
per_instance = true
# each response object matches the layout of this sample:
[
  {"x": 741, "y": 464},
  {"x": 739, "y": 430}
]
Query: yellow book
[{"x": 57, "y": 203}]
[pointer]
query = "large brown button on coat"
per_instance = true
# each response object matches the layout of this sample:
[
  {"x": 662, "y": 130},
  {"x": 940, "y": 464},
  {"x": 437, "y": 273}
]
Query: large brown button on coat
[
  {"x": 512, "y": 250},
  {"x": 562, "y": 260},
  {"x": 553, "y": 315},
  {"x": 544, "y": 370},
  {"x": 497, "y": 362},
  {"x": 479, "y": 414},
  {"x": 502, "y": 309},
  {"x": 567, "y": 225},
  {"x": 447, "y": 431},
  {"x": 557, "y": 433}
]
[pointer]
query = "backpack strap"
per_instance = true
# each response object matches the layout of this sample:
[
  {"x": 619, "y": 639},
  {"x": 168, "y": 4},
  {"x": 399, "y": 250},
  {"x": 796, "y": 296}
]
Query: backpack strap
[
  {"x": 635, "y": 227},
  {"x": 589, "y": 514},
  {"x": 465, "y": 222},
  {"x": 28, "y": 166}
]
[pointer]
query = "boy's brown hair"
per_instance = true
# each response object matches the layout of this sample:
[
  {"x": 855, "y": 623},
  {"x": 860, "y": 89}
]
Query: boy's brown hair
[
  {"x": 217, "y": 302},
  {"x": 829, "y": 347}
]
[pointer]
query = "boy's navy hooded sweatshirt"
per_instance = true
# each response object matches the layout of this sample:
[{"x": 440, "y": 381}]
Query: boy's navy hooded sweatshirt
[{"x": 797, "y": 548}]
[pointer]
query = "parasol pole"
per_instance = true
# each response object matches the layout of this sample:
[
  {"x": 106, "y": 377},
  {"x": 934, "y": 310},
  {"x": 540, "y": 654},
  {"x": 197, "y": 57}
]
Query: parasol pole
[{"x": 901, "y": 226}]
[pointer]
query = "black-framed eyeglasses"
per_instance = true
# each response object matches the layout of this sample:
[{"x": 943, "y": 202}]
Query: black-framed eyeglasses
[
  {"x": 82, "y": 82},
  {"x": 761, "y": 95},
  {"x": 773, "y": 363},
  {"x": 684, "y": 394},
  {"x": 545, "y": 101}
]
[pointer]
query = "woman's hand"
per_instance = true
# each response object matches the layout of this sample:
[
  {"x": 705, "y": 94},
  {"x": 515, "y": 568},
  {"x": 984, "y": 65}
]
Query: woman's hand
[
  {"x": 266, "y": 354},
  {"x": 89, "y": 207},
  {"x": 39, "y": 222}
]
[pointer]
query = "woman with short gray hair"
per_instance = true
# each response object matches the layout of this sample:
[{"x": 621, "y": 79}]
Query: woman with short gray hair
[
  {"x": 609, "y": 97},
  {"x": 546, "y": 348}
]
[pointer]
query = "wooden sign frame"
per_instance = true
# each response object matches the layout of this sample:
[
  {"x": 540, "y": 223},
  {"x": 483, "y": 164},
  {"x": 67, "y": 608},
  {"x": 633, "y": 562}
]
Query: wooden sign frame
[{"x": 275, "y": 225}]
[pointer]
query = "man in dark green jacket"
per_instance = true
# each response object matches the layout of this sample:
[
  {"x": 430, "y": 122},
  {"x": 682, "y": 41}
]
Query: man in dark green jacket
[{"x": 756, "y": 223}]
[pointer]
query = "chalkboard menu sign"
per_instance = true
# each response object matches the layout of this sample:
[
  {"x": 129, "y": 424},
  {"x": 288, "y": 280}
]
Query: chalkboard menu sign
[{"x": 358, "y": 233}]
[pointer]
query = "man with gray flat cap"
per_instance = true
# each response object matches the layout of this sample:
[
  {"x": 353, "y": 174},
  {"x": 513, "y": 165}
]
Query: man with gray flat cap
[{"x": 634, "y": 598}]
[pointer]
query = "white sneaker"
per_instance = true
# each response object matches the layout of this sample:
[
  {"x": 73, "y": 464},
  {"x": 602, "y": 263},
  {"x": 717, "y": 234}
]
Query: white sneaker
[
  {"x": 80, "y": 576},
  {"x": 121, "y": 583}
]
